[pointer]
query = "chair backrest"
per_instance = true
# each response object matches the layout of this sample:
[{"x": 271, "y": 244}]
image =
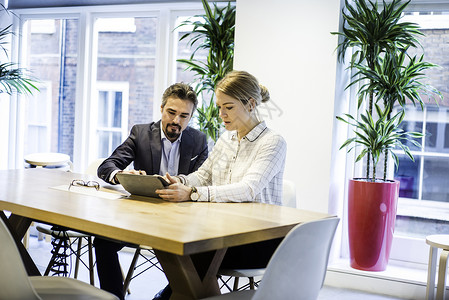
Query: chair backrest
[
  {"x": 297, "y": 269},
  {"x": 14, "y": 282},
  {"x": 289, "y": 193},
  {"x": 93, "y": 166}
]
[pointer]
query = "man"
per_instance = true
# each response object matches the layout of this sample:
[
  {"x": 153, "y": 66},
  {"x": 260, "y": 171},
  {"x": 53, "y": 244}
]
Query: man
[{"x": 168, "y": 145}]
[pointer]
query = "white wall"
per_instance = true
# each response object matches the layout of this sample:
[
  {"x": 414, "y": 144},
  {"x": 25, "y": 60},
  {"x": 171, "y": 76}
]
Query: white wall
[{"x": 287, "y": 45}]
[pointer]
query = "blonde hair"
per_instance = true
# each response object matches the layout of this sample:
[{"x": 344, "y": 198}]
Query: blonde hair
[{"x": 243, "y": 86}]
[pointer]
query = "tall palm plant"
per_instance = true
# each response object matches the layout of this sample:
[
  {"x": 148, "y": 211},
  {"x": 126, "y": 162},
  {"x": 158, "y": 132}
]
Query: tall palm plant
[
  {"x": 396, "y": 78},
  {"x": 371, "y": 32},
  {"x": 215, "y": 33},
  {"x": 12, "y": 78}
]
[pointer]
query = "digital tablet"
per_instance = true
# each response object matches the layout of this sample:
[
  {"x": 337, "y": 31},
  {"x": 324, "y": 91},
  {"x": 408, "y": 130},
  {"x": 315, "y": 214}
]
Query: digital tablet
[{"x": 142, "y": 185}]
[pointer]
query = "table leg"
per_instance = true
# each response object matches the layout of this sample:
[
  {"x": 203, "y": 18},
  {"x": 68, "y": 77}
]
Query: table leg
[
  {"x": 192, "y": 276},
  {"x": 430, "y": 292},
  {"x": 441, "y": 287},
  {"x": 18, "y": 226}
]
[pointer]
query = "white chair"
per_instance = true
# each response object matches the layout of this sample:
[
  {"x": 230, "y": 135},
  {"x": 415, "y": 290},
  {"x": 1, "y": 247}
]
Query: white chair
[
  {"x": 298, "y": 267},
  {"x": 289, "y": 193},
  {"x": 289, "y": 199},
  {"x": 16, "y": 285}
]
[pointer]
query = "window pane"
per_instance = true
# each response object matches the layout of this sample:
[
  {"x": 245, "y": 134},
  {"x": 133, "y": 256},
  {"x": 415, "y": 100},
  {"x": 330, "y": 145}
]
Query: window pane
[
  {"x": 103, "y": 109},
  {"x": 52, "y": 55},
  {"x": 435, "y": 179},
  {"x": 437, "y": 121},
  {"x": 408, "y": 175},
  {"x": 103, "y": 144},
  {"x": 117, "y": 118},
  {"x": 413, "y": 122}
]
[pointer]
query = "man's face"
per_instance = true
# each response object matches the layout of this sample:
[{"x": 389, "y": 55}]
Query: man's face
[{"x": 176, "y": 115}]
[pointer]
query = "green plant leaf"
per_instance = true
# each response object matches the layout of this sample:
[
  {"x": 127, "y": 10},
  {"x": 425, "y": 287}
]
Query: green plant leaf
[{"x": 215, "y": 33}]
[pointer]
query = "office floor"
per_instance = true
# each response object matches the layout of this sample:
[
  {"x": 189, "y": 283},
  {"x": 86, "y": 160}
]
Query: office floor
[{"x": 150, "y": 282}]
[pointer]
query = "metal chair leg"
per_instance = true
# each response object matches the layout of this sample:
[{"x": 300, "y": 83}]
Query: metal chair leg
[
  {"x": 78, "y": 255},
  {"x": 131, "y": 269}
]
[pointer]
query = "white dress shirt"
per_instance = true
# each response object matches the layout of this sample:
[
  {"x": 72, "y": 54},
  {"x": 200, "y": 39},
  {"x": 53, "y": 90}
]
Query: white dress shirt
[
  {"x": 169, "y": 155},
  {"x": 249, "y": 170}
]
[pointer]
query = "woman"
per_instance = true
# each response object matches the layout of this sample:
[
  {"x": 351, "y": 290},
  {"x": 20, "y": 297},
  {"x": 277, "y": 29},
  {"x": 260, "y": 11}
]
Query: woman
[
  {"x": 246, "y": 165},
  {"x": 247, "y": 162}
]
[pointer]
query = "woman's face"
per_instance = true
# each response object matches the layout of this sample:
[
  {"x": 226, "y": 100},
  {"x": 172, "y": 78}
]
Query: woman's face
[{"x": 234, "y": 114}]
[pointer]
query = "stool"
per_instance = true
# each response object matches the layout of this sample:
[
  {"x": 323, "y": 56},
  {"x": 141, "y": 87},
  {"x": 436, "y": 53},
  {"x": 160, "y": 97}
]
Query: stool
[
  {"x": 49, "y": 160},
  {"x": 437, "y": 241}
]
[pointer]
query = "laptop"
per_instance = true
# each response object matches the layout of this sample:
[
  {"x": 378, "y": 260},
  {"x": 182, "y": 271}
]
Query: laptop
[{"x": 142, "y": 185}]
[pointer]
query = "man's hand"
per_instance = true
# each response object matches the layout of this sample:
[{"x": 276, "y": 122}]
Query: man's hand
[{"x": 136, "y": 172}]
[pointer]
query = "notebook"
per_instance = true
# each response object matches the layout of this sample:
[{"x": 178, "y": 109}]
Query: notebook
[{"x": 142, "y": 185}]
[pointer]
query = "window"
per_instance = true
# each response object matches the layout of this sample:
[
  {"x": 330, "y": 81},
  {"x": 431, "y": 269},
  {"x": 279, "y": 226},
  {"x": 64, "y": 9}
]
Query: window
[
  {"x": 112, "y": 112},
  {"x": 424, "y": 179},
  {"x": 184, "y": 51},
  {"x": 101, "y": 70},
  {"x": 424, "y": 192}
]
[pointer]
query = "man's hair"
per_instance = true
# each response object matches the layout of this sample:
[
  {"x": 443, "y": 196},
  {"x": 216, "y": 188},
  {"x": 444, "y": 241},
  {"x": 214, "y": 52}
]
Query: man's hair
[{"x": 182, "y": 91}]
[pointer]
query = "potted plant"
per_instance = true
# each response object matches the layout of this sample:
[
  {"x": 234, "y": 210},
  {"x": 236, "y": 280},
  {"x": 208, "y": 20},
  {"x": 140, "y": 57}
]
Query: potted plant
[
  {"x": 386, "y": 76},
  {"x": 12, "y": 78},
  {"x": 215, "y": 33}
]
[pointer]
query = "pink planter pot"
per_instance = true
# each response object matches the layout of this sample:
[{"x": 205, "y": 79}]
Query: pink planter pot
[{"x": 371, "y": 217}]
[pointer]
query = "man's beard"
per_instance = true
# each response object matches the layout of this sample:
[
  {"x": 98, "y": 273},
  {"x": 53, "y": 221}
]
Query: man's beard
[{"x": 171, "y": 134}]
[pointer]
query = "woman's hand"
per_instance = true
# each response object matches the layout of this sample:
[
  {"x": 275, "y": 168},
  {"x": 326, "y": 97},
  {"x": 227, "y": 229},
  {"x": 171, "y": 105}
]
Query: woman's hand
[{"x": 175, "y": 192}]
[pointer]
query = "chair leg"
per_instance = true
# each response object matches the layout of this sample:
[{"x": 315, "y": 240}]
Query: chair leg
[
  {"x": 251, "y": 283},
  {"x": 91, "y": 260},
  {"x": 131, "y": 269},
  {"x": 441, "y": 287},
  {"x": 78, "y": 257},
  {"x": 430, "y": 290},
  {"x": 236, "y": 283}
]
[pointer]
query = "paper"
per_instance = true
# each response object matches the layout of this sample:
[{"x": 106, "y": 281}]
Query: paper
[{"x": 88, "y": 191}]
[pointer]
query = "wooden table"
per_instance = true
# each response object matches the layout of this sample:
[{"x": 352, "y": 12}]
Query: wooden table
[{"x": 184, "y": 235}]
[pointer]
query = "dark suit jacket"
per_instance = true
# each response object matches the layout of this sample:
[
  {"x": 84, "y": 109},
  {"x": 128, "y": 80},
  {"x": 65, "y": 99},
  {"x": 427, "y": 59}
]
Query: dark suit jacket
[{"x": 143, "y": 146}]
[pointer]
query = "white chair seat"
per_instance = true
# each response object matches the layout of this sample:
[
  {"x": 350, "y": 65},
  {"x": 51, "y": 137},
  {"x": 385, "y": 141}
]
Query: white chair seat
[{"x": 58, "y": 288}]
